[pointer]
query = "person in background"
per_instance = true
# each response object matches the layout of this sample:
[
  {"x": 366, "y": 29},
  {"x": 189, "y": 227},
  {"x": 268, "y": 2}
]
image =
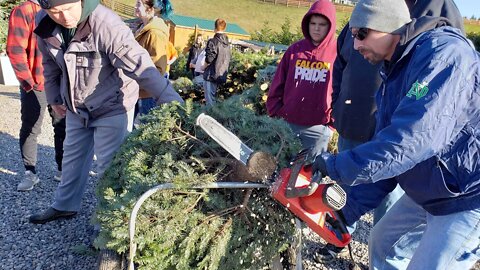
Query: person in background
[
  {"x": 427, "y": 139},
  {"x": 93, "y": 68},
  {"x": 193, "y": 53},
  {"x": 355, "y": 82},
  {"x": 301, "y": 89},
  {"x": 26, "y": 61},
  {"x": 152, "y": 34},
  {"x": 217, "y": 60},
  {"x": 199, "y": 68}
]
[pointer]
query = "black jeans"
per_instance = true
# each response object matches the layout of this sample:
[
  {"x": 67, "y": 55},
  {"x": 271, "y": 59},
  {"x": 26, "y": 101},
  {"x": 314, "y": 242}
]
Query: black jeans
[
  {"x": 33, "y": 106},
  {"x": 58, "y": 124}
]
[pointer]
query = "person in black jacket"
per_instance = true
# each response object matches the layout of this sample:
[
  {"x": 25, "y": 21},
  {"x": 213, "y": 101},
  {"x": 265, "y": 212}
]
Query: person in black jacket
[
  {"x": 193, "y": 54},
  {"x": 217, "y": 60},
  {"x": 355, "y": 82}
]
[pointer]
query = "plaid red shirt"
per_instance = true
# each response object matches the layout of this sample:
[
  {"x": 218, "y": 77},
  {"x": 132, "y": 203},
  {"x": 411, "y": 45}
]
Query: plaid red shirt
[{"x": 22, "y": 48}]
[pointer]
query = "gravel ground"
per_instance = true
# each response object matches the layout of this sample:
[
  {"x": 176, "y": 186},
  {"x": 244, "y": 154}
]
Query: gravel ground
[
  {"x": 64, "y": 244},
  {"x": 56, "y": 245}
]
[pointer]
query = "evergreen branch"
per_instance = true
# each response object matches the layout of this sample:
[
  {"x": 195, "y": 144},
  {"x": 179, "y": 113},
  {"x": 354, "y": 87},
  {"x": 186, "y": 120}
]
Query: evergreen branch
[
  {"x": 188, "y": 192},
  {"x": 282, "y": 144},
  {"x": 196, "y": 139},
  {"x": 257, "y": 217},
  {"x": 246, "y": 198},
  {"x": 223, "y": 160},
  {"x": 221, "y": 213},
  {"x": 244, "y": 205},
  {"x": 176, "y": 138},
  {"x": 195, "y": 204},
  {"x": 227, "y": 161},
  {"x": 238, "y": 209}
]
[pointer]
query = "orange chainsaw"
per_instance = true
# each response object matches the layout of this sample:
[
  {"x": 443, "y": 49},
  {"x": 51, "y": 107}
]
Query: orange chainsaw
[{"x": 307, "y": 196}]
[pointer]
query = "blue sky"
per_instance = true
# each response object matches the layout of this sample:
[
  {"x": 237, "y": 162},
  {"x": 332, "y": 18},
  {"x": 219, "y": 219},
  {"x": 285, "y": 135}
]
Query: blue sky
[{"x": 469, "y": 7}]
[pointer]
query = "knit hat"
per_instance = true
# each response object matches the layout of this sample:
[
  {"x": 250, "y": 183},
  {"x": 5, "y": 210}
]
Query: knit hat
[
  {"x": 48, "y": 4},
  {"x": 386, "y": 16}
]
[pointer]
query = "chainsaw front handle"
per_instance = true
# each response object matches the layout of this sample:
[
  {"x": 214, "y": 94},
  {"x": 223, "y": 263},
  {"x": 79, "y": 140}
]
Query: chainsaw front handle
[{"x": 294, "y": 192}]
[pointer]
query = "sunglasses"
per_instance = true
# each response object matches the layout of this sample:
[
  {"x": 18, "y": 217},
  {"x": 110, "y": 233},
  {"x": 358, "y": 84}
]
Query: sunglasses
[{"x": 361, "y": 34}]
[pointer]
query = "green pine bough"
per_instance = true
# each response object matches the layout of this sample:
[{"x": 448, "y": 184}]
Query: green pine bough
[
  {"x": 196, "y": 229},
  {"x": 242, "y": 74}
]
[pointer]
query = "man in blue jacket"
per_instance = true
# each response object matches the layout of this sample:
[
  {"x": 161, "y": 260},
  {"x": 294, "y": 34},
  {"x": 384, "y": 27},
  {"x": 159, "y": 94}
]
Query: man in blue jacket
[
  {"x": 355, "y": 83},
  {"x": 427, "y": 140}
]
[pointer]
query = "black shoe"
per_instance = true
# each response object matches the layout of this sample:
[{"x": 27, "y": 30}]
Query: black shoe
[
  {"x": 329, "y": 252},
  {"x": 49, "y": 215}
]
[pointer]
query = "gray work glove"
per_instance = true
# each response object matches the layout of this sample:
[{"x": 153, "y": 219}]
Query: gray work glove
[{"x": 319, "y": 165}]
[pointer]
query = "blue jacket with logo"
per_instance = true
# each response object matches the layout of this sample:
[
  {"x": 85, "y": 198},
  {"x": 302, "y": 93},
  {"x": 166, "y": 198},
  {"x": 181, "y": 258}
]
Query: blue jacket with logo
[{"x": 428, "y": 128}]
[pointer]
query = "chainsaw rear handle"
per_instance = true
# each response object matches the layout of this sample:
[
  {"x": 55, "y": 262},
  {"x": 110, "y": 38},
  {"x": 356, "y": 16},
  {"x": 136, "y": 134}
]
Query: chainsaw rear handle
[
  {"x": 341, "y": 222},
  {"x": 337, "y": 228},
  {"x": 337, "y": 222}
]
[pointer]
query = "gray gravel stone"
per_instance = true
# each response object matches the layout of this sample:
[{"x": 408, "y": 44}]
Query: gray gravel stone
[{"x": 26, "y": 246}]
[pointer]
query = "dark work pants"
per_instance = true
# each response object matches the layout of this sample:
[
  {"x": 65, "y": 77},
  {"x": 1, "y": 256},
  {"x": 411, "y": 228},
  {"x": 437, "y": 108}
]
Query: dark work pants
[
  {"x": 33, "y": 106},
  {"x": 58, "y": 124}
]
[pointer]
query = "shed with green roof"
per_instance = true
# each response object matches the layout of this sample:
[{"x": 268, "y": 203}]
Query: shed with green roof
[{"x": 183, "y": 27}]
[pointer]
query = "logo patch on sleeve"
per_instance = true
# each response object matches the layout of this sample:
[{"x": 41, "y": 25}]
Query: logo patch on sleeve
[{"x": 418, "y": 90}]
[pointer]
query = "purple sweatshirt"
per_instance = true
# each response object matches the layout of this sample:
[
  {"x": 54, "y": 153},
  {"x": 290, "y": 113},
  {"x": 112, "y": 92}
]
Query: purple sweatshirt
[{"x": 301, "y": 91}]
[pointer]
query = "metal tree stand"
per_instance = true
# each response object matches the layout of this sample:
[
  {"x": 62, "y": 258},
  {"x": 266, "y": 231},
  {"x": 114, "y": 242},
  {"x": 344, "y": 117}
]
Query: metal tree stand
[{"x": 110, "y": 260}]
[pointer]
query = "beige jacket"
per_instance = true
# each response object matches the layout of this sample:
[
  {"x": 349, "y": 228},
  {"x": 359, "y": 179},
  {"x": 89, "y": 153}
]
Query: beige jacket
[{"x": 154, "y": 38}]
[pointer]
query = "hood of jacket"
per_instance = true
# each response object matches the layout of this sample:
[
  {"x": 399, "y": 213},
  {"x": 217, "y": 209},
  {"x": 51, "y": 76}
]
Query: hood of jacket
[
  {"x": 222, "y": 38},
  {"x": 410, "y": 32},
  {"x": 88, "y": 6},
  {"x": 155, "y": 23},
  {"x": 326, "y": 9},
  {"x": 437, "y": 8}
]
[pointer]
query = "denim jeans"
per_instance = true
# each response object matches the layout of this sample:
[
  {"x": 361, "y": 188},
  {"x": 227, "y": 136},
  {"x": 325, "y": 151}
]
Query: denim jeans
[
  {"x": 388, "y": 201},
  {"x": 408, "y": 237},
  {"x": 198, "y": 80},
  {"x": 314, "y": 137},
  {"x": 210, "y": 89},
  {"x": 143, "y": 106},
  {"x": 59, "y": 127},
  {"x": 103, "y": 137}
]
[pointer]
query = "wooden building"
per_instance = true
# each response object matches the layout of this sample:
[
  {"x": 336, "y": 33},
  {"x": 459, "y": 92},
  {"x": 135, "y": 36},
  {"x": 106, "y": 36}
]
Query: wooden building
[{"x": 183, "y": 27}]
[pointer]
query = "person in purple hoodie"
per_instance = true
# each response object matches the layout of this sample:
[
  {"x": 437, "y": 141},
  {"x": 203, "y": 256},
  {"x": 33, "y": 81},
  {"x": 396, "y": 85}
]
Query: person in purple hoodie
[{"x": 301, "y": 90}]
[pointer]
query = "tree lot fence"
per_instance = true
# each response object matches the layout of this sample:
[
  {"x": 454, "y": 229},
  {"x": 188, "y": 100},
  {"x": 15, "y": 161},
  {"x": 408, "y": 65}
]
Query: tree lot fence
[
  {"x": 470, "y": 21},
  {"x": 124, "y": 10},
  {"x": 306, "y": 3},
  {"x": 290, "y": 3}
]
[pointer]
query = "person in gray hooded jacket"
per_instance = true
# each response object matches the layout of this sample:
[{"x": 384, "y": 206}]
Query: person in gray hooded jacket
[{"x": 93, "y": 69}]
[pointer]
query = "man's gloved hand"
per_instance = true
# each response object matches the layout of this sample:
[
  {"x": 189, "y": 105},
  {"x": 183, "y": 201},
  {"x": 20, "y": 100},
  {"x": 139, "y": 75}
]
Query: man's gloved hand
[{"x": 319, "y": 165}]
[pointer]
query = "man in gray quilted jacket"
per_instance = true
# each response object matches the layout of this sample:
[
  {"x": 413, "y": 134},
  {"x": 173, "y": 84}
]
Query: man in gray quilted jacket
[{"x": 93, "y": 68}]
